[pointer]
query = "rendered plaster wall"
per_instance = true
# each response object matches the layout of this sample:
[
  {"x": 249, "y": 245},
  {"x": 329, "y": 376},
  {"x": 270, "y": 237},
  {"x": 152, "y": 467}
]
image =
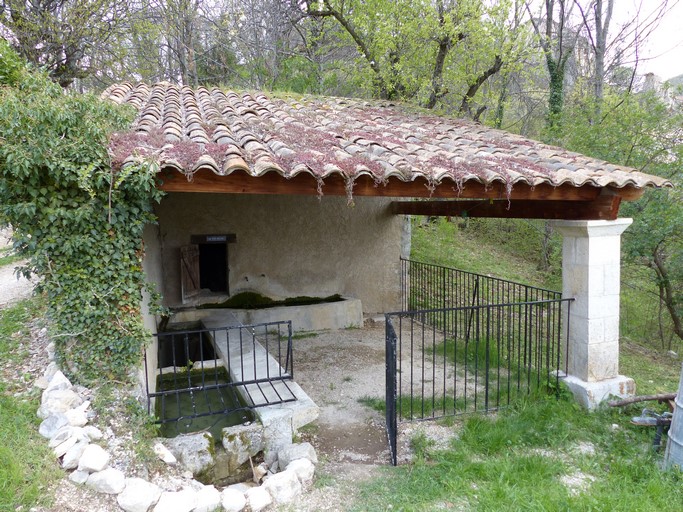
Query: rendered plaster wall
[
  {"x": 291, "y": 245},
  {"x": 152, "y": 267}
]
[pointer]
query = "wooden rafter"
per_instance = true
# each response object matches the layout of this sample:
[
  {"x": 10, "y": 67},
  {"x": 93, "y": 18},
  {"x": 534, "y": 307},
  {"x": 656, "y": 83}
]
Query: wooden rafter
[
  {"x": 602, "y": 208},
  {"x": 554, "y": 202}
]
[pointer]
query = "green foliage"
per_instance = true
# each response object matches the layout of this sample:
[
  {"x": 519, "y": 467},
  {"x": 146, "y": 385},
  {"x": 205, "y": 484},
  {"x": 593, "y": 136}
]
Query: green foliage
[
  {"x": 640, "y": 131},
  {"x": 78, "y": 220},
  {"x": 424, "y": 51},
  {"x": 11, "y": 66}
]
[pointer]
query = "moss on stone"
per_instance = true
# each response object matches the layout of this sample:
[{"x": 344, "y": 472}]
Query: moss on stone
[{"x": 253, "y": 300}]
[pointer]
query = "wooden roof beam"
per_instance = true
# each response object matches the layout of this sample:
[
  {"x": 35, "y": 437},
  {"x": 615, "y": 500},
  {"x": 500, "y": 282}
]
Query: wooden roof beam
[
  {"x": 240, "y": 182},
  {"x": 603, "y": 208}
]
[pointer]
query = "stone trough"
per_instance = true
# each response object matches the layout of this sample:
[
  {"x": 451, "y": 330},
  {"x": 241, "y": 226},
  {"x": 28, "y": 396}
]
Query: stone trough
[
  {"x": 313, "y": 317},
  {"x": 229, "y": 459}
]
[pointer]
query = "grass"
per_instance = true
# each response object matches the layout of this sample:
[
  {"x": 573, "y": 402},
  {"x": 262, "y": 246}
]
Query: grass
[
  {"x": 304, "y": 335},
  {"x": 27, "y": 466},
  {"x": 484, "y": 246},
  {"x": 654, "y": 371},
  {"x": 7, "y": 256},
  {"x": 518, "y": 460}
]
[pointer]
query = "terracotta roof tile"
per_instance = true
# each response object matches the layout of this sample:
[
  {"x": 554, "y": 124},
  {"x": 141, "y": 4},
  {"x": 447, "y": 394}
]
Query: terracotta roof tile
[{"x": 225, "y": 131}]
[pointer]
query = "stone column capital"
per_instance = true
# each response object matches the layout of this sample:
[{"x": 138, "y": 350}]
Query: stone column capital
[{"x": 591, "y": 228}]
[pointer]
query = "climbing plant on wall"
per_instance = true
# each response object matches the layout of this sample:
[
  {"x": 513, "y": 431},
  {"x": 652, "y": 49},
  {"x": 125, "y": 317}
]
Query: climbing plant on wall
[{"x": 78, "y": 216}]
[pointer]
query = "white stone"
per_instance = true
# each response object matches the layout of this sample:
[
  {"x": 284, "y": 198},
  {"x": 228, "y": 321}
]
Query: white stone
[
  {"x": 73, "y": 455},
  {"x": 94, "y": 459},
  {"x": 65, "y": 433},
  {"x": 260, "y": 471},
  {"x": 76, "y": 417},
  {"x": 194, "y": 451},
  {"x": 242, "y": 487},
  {"x": 233, "y": 500},
  {"x": 297, "y": 451},
  {"x": 61, "y": 449},
  {"x": 284, "y": 487},
  {"x": 592, "y": 394},
  {"x": 208, "y": 499},
  {"x": 58, "y": 401},
  {"x": 590, "y": 275},
  {"x": 108, "y": 481},
  {"x": 50, "y": 425},
  {"x": 277, "y": 431},
  {"x": 139, "y": 495},
  {"x": 50, "y": 371},
  {"x": 179, "y": 501},
  {"x": 93, "y": 433},
  {"x": 243, "y": 440},
  {"x": 58, "y": 382},
  {"x": 304, "y": 470},
  {"x": 164, "y": 454},
  {"x": 194, "y": 484},
  {"x": 79, "y": 477},
  {"x": 258, "y": 499}
]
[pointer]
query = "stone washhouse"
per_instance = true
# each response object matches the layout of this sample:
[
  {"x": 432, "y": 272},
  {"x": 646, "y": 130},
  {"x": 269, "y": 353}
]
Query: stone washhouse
[{"x": 291, "y": 196}]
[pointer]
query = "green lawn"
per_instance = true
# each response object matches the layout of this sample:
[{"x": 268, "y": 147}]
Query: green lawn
[
  {"x": 549, "y": 455},
  {"x": 27, "y": 466}
]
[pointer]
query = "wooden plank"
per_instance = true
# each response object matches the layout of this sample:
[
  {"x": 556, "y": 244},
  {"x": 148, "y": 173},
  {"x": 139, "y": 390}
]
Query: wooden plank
[
  {"x": 189, "y": 271},
  {"x": 240, "y": 182},
  {"x": 603, "y": 208},
  {"x": 661, "y": 397}
]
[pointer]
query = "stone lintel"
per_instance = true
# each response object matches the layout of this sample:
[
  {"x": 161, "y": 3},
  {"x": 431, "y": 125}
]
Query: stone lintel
[{"x": 591, "y": 394}]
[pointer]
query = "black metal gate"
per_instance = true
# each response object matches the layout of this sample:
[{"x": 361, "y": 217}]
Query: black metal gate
[
  {"x": 202, "y": 376},
  {"x": 483, "y": 343}
]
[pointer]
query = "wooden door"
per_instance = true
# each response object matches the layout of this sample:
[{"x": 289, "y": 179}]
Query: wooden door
[{"x": 189, "y": 272}]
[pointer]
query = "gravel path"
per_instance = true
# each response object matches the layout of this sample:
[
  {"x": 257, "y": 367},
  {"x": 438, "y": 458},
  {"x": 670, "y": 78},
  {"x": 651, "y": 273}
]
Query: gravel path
[{"x": 11, "y": 288}]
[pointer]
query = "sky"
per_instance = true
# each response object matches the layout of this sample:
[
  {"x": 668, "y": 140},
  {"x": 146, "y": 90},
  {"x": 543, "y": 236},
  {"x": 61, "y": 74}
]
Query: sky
[{"x": 663, "y": 52}]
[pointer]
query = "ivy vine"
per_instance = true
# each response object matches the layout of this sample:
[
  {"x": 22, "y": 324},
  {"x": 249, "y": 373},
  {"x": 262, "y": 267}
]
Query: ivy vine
[{"x": 78, "y": 216}]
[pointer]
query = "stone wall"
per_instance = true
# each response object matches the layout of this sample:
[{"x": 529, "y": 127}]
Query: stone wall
[{"x": 290, "y": 245}]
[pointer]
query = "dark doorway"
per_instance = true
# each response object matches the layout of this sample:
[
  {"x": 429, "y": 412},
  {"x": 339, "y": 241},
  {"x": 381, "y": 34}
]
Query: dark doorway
[{"x": 213, "y": 267}]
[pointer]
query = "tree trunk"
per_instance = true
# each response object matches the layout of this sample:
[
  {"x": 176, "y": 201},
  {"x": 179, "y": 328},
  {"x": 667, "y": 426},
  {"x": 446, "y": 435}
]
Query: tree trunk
[
  {"x": 466, "y": 105},
  {"x": 556, "y": 93},
  {"x": 659, "y": 266},
  {"x": 437, "y": 75}
]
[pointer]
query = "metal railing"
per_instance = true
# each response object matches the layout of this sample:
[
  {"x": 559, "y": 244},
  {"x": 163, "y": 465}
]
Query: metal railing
[
  {"x": 429, "y": 286},
  {"x": 478, "y": 344},
  {"x": 218, "y": 372}
]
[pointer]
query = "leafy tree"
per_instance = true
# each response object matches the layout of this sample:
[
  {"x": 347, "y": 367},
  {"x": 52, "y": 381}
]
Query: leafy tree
[
  {"x": 68, "y": 38},
  {"x": 639, "y": 130},
  {"x": 557, "y": 40},
  {"x": 431, "y": 52},
  {"x": 78, "y": 215}
]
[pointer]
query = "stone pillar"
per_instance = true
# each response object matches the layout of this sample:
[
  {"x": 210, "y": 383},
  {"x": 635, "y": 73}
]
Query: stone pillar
[{"x": 590, "y": 274}]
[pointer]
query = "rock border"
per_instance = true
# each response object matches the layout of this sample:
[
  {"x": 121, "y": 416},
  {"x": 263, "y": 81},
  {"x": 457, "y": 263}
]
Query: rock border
[{"x": 65, "y": 412}]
